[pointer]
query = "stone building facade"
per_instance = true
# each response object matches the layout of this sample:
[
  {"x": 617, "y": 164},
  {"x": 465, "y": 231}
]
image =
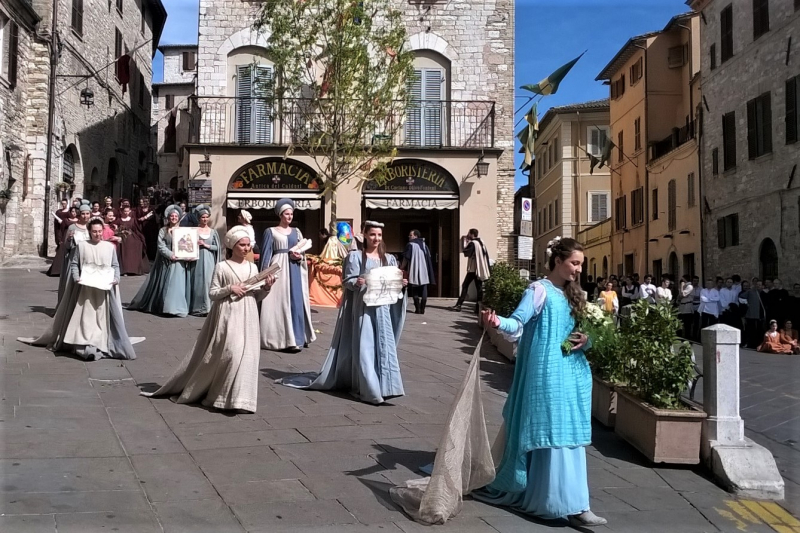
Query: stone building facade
[
  {"x": 568, "y": 197},
  {"x": 655, "y": 101},
  {"x": 750, "y": 148},
  {"x": 169, "y": 122},
  {"x": 470, "y": 44},
  {"x": 97, "y": 150}
]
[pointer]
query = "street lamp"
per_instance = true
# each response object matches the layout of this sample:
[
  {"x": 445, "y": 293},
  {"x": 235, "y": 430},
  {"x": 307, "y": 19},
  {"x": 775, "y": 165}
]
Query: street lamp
[
  {"x": 482, "y": 167},
  {"x": 205, "y": 167},
  {"x": 87, "y": 97}
]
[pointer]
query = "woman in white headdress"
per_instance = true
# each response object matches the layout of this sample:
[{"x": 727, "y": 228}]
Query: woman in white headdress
[
  {"x": 286, "y": 316},
  {"x": 221, "y": 371},
  {"x": 167, "y": 289},
  {"x": 363, "y": 354},
  {"x": 245, "y": 220},
  {"x": 202, "y": 270}
]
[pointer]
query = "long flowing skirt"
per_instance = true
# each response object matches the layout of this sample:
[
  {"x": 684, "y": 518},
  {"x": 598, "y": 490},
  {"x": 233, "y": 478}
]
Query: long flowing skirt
[
  {"x": 201, "y": 272},
  {"x": 557, "y": 485},
  {"x": 166, "y": 291}
]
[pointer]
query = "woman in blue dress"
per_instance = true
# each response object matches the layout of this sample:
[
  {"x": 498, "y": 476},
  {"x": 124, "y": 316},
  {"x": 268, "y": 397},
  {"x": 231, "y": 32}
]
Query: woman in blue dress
[
  {"x": 285, "y": 312},
  {"x": 202, "y": 270},
  {"x": 547, "y": 416},
  {"x": 167, "y": 289},
  {"x": 363, "y": 354}
]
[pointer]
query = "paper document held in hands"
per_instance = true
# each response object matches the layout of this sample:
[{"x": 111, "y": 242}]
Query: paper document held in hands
[
  {"x": 97, "y": 276},
  {"x": 384, "y": 286}
]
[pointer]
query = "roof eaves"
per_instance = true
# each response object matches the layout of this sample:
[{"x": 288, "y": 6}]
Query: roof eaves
[{"x": 623, "y": 55}]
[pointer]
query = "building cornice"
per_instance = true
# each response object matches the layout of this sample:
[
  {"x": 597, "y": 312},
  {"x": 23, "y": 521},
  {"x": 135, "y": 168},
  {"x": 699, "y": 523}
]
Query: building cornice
[{"x": 23, "y": 12}]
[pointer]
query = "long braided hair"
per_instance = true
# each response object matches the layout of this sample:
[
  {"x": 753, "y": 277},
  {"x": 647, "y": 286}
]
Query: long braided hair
[{"x": 563, "y": 249}]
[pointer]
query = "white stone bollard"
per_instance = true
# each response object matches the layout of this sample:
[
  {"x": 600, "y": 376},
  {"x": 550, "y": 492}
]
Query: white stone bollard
[{"x": 740, "y": 465}]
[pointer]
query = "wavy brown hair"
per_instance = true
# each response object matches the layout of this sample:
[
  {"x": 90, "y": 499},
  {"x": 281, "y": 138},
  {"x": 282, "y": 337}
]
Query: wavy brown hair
[
  {"x": 573, "y": 292},
  {"x": 381, "y": 246}
]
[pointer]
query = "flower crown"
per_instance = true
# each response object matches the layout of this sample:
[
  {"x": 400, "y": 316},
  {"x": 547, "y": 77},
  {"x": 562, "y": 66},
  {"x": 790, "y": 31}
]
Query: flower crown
[{"x": 549, "y": 251}]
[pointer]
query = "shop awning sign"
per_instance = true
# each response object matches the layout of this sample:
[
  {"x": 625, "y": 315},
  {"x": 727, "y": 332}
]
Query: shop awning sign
[
  {"x": 274, "y": 173},
  {"x": 254, "y": 202},
  {"x": 410, "y": 202}
]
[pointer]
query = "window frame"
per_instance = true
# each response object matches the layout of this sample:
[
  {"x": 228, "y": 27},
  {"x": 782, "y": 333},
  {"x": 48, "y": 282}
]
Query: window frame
[
  {"x": 712, "y": 54},
  {"x": 691, "y": 196},
  {"x": 728, "y": 229},
  {"x": 759, "y": 126},
  {"x": 76, "y": 20},
  {"x": 792, "y": 108},
  {"x": 637, "y": 206},
  {"x": 636, "y": 72},
  {"x": 589, "y": 208},
  {"x": 185, "y": 60},
  {"x": 621, "y": 212},
  {"x": 118, "y": 48},
  {"x": 760, "y": 18},
  {"x": 591, "y": 148},
  {"x": 637, "y": 134},
  {"x": 726, "y": 33},
  {"x": 654, "y": 203},
  {"x": 672, "y": 205},
  {"x": 620, "y": 144},
  {"x": 729, "y": 141},
  {"x": 9, "y": 64}
]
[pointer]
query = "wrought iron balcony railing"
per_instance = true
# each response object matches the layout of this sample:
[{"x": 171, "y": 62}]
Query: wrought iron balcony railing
[
  {"x": 677, "y": 138},
  {"x": 254, "y": 121}
]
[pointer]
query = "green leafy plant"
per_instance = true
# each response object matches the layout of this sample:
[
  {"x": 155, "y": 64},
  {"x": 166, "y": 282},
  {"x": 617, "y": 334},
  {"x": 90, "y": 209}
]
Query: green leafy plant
[
  {"x": 656, "y": 364},
  {"x": 503, "y": 290},
  {"x": 605, "y": 351},
  {"x": 5, "y": 194}
]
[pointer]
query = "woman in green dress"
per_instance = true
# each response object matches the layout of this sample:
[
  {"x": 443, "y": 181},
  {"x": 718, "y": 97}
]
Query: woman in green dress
[{"x": 202, "y": 270}]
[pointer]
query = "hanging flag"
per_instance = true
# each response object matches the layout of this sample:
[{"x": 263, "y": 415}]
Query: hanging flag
[
  {"x": 549, "y": 85},
  {"x": 605, "y": 157},
  {"x": 124, "y": 71},
  {"x": 528, "y": 135}
]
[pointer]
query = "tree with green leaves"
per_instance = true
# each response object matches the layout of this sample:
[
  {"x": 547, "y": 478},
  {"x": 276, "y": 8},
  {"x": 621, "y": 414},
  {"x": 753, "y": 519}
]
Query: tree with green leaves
[{"x": 341, "y": 72}]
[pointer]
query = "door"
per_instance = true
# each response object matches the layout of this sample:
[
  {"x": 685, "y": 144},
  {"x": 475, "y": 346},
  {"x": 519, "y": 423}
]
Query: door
[
  {"x": 424, "y": 125},
  {"x": 253, "y": 110}
]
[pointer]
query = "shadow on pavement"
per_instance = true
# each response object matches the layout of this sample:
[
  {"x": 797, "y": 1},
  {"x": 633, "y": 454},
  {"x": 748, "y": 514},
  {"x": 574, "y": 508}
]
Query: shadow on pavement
[{"x": 49, "y": 311}]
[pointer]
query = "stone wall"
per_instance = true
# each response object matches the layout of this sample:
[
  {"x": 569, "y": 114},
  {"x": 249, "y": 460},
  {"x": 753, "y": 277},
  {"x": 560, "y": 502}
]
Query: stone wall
[
  {"x": 477, "y": 36},
  {"x": 173, "y": 65},
  {"x": 758, "y": 190}
]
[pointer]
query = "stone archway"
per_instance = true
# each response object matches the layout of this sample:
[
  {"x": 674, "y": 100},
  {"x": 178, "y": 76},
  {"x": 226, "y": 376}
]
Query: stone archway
[{"x": 768, "y": 259}]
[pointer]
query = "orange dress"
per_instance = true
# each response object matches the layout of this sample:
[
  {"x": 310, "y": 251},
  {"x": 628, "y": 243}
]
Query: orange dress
[
  {"x": 790, "y": 338},
  {"x": 772, "y": 344}
]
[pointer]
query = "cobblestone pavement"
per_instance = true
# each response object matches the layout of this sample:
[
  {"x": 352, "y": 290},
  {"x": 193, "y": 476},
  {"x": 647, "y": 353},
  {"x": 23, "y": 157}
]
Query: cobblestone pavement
[{"x": 82, "y": 452}]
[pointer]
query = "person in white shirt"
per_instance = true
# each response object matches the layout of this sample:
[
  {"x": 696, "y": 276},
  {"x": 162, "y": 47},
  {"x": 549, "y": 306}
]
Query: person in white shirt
[
  {"x": 686, "y": 307},
  {"x": 709, "y": 305},
  {"x": 727, "y": 298},
  {"x": 647, "y": 290},
  {"x": 664, "y": 292}
]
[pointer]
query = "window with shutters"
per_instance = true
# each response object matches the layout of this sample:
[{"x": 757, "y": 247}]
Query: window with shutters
[
  {"x": 77, "y": 16},
  {"x": 712, "y": 54},
  {"x": 621, "y": 213},
  {"x": 539, "y": 224},
  {"x": 728, "y": 231},
  {"x": 597, "y": 136},
  {"x": 189, "y": 61},
  {"x": 726, "y": 33},
  {"x": 556, "y": 150},
  {"x": 654, "y": 203},
  {"x": 635, "y": 73},
  {"x": 598, "y": 206},
  {"x": 637, "y": 134},
  {"x": 676, "y": 56},
  {"x": 618, "y": 87},
  {"x": 759, "y": 126},
  {"x": 424, "y": 122},
  {"x": 620, "y": 153},
  {"x": 169, "y": 101},
  {"x": 68, "y": 170},
  {"x": 141, "y": 90},
  {"x": 760, "y": 18},
  {"x": 672, "y": 205},
  {"x": 556, "y": 218},
  {"x": 550, "y": 216},
  {"x": 729, "y": 140},
  {"x": 117, "y": 50},
  {"x": 170, "y": 138},
  {"x": 9, "y": 51},
  {"x": 691, "y": 198},
  {"x": 253, "y": 110},
  {"x": 792, "y": 105},
  {"x": 637, "y": 206}
]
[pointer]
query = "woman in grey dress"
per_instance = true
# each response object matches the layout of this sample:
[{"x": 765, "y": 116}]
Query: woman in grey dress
[
  {"x": 167, "y": 289},
  {"x": 201, "y": 270}
]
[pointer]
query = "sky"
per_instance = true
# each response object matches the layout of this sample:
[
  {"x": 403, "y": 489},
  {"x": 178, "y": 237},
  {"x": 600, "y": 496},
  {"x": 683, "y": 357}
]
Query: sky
[{"x": 548, "y": 34}]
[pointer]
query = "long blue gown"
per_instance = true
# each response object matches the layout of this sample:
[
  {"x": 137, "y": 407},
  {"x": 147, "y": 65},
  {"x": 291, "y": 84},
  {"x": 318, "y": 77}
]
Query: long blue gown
[
  {"x": 201, "y": 272},
  {"x": 547, "y": 414},
  {"x": 363, "y": 353},
  {"x": 167, "y": 289}
]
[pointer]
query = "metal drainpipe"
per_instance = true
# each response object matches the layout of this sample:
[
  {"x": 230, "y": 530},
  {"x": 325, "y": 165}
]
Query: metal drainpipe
[
  {"x": 646, "y": 199},
  {"x": 50, "y": 126}
]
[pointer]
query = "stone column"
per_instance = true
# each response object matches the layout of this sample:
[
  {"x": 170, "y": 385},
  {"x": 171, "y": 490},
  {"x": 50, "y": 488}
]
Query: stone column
[{"x": 738, "y": 464}]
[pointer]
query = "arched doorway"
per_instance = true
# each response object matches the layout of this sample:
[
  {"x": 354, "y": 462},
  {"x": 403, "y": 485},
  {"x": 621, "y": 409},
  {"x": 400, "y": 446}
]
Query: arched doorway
[
  {"x": 768, "y": 260},
  {"x": 605, "y": 267},
  {"x": 416, "y": 194},
  {"x": 674, "y": 267}
]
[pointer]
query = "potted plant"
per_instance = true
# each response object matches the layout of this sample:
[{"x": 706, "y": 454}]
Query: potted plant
[
  {"x": 503, "y": 292},
  {"x": 604, "y": 356},
  {"x": 657, "y": 366}
]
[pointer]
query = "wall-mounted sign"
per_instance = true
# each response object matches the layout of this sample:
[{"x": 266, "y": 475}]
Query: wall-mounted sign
[
  {"x": 199, "y": 191},
  {"x": 409, "y": 176},
  {"x": 527, "y": 209},
  {"x": 411, "y": 203},
  {"x": 269, "y": 203},
  {"x": 274, "y": 173},
  {"x": 525, "y": 248}
]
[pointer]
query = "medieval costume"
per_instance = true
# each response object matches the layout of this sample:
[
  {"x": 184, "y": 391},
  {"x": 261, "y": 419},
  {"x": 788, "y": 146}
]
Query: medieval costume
[
  {"x": 419, "y": 265},
  {"x": 222, "y": 369},
  {"x": 133, "y": 250},
  {"x": 286, "y": 313},
  {"x": 325, "y": 287},
  {"x": 478, "y": 269},
  {"x": 363, "y": 354},
  {"x": 88, "y": 320},
  {"x": 202, "y": 270}
]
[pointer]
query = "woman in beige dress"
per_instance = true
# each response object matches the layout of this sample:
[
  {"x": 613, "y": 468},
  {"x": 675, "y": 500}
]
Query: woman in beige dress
[{"x": 221, "y": 371}]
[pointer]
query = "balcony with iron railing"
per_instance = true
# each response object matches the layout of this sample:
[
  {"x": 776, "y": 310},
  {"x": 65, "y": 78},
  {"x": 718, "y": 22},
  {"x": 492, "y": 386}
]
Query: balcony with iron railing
[
  {"x": 676, "y": 139},
  {"x": 255, "y": 121}
]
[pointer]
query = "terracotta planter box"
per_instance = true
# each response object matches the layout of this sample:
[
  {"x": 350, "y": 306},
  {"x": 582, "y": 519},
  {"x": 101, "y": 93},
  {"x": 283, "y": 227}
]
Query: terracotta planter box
[
  {"x": 604, "y": 402},
  {"x": 662, "y": 435},
  {"x": 507, "y": 349}
]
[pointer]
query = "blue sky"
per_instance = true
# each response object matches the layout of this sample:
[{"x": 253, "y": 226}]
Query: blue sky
[{"x": 549, "y": 33}]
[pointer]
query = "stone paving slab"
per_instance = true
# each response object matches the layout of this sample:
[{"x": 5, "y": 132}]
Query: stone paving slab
[{"x": 84, "y": 452}]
